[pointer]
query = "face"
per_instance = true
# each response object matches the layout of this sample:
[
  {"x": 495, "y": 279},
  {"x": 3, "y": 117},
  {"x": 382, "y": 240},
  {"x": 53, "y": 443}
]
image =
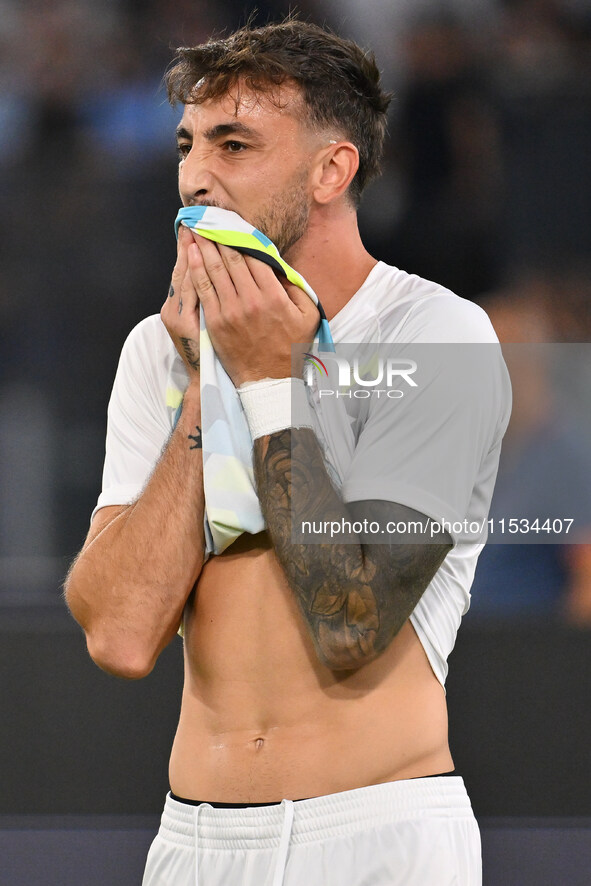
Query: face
[{"x": 248, "y": 154}]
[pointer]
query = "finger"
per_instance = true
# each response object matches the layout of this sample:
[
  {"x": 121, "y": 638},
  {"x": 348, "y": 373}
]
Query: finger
[
  {"x": 263, "y": 274},
  {"x": 183, "y": 237},
  {"x": 201, "y": 282},
  {"x": 298, "y": 297},
  {"x": 180, "y": 292},
  {"x": 266, "y": 278},
  {"x": 217, "y": 272},
  {"x": 239, "y": 271},
  {"x": 181, "y": 308},
  {"x": 188, "y": 296},
  {"x": 306, "y": 309},
  {"x": 181, "y": 265}
]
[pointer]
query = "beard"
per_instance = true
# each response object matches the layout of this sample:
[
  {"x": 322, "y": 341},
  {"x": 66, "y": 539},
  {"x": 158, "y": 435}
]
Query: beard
[{"x": 284, "y": 220}]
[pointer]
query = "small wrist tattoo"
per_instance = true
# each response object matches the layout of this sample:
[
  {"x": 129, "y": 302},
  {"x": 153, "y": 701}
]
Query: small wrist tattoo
[
  {"x": 180, "y": 305},
  {"x": 171, "y": 291},
  {"x": 197, "y": 438}
]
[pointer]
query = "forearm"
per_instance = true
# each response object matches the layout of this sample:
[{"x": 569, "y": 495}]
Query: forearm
[
  {"x": 129, "y": 585},
  {"x": 354, "y": 596},
  {"x": 331, "y": 581}
]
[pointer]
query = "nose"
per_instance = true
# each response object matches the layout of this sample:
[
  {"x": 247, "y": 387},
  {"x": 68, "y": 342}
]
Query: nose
[{"x": 195, "y": 178}]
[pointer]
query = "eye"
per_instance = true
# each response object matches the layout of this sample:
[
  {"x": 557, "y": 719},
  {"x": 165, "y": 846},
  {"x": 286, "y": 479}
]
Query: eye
[
  {"x": 234, "y": 147},
  {"x": 182, "y": 150}
]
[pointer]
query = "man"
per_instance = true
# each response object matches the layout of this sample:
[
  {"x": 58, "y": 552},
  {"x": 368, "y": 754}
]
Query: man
[{"x": 312, "y": 742}]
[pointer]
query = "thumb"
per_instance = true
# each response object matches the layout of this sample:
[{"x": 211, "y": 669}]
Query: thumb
[{"x": 300, "y": 299}]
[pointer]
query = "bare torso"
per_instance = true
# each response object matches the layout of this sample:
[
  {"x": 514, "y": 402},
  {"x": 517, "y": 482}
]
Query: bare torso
[{"x": 263, "y": 720}]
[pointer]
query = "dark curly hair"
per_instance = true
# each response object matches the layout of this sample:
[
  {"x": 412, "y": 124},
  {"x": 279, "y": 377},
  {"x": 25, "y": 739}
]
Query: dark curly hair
[{"x": 339, "y": 82}]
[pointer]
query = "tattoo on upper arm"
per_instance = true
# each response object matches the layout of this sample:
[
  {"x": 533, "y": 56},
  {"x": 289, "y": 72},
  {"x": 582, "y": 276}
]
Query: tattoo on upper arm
[
  {"x": 191, "y": 351},
  {"x": 355, "y": 597},
  {"x": 197, "y": 438}
]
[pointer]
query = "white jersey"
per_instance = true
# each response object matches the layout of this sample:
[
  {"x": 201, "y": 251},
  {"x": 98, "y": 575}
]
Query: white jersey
[{"x": 449, "y": 476}]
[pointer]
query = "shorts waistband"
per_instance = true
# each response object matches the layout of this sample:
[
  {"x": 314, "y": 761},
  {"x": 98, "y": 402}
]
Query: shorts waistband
[
  {"x": 219, "y": 805},
  {"x": 319, "y": 818}
]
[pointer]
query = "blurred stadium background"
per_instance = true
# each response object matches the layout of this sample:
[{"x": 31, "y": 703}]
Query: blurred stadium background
[{"x": 486, "y": 189}]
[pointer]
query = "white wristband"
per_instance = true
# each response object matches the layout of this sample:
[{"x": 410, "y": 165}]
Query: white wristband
[{"x": 274, "y": 404}]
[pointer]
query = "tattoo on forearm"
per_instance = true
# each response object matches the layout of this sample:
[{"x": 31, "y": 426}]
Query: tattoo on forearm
[
  {"x": 191, "y": 351},
  {"x": 197, "y": 438},
  {"x": 354, "y": 597}
]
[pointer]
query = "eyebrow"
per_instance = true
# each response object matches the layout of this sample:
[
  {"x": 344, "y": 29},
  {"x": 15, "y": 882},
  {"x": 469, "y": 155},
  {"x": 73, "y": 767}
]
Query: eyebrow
[{"x": 222, "y": 130}]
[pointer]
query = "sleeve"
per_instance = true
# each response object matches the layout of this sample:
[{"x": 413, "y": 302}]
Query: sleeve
[
  {"x": 431, "y": 446},
  {"x": 138, "y": 421}
]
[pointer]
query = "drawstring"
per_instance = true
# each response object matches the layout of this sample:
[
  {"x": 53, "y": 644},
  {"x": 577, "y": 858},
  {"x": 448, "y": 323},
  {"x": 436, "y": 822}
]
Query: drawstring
[
  {"x": 282, "y": 851},
  {"x": 281, "y": 862},
  {"x": 196, "y": 840}
]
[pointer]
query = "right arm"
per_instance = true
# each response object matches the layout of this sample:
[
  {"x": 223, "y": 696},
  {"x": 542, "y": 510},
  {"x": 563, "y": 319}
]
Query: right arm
[{"x": 130, "y": 583}]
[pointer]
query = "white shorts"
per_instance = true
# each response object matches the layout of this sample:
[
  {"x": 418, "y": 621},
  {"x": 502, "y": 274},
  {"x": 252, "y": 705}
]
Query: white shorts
[{"x": 418, "y": 832}]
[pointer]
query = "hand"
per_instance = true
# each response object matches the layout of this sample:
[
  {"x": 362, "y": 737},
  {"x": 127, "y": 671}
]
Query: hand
[
  {"x": 180, "y": 311},
  {"x": 253, "y": 317}
]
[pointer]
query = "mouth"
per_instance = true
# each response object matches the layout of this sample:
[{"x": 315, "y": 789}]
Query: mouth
[{"x": 212, "y": 203}]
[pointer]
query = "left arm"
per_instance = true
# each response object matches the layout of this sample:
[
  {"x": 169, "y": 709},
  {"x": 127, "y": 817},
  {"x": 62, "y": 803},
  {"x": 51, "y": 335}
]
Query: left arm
[{"x": 354, "y": 596}]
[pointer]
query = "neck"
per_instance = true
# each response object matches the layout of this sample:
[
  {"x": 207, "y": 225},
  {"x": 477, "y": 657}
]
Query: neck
[{"x": 331, "y": 256}]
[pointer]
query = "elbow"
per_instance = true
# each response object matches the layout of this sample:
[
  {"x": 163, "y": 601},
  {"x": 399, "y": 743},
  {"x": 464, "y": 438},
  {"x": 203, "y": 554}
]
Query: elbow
[
  {"x": 114, "y": 645},
  {"x": 123, "y": 658}
]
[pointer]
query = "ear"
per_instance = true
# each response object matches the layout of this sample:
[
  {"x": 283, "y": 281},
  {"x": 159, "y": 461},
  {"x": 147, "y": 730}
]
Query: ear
[{"x": 335, "y": 169}]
